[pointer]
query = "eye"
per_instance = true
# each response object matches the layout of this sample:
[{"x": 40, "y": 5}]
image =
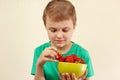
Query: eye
[
  {"x": 65, "y": 30},
  {"x": 53, "y": 30}
]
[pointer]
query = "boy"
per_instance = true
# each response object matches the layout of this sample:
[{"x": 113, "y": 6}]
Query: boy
[{"x": 60, "y": 20}]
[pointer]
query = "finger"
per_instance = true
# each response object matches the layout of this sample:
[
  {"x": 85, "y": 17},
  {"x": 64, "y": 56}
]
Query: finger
[
  {"x": 53, "y": 48},
  {"x": 67, "y": 76},
  {"x": 60, "y": 76},
  {"x": 55, "y": 54},
  {"x": 84, "y": 75},
  {"x": 73, "y": 76},
  {"x": 49, "y": 59},
  {"x": 63, "y": 76},
  {"x": 50, "y": 54},
  {"x": 54, "y": 51}
]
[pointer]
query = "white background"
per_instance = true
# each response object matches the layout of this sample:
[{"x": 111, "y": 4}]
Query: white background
[{"x": 22, "y": 29}]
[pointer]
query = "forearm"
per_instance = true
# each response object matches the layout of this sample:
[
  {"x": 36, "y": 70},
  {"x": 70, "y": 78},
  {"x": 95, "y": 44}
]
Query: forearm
[{"x": 39, "y": 74}]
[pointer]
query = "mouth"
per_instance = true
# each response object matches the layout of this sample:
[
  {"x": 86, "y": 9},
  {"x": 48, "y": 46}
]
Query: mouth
[{"x": 59, "y": 41}]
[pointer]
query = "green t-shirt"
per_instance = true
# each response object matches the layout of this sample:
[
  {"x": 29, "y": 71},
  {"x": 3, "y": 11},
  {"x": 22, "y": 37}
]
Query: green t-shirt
[{"x": 50, "y": 68}]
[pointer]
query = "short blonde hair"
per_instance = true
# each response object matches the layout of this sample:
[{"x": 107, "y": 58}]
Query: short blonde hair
[{"x": 59, "y": 10}]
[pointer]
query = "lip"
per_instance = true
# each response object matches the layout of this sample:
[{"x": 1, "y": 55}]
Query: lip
[{"x": 59, "y": 41}]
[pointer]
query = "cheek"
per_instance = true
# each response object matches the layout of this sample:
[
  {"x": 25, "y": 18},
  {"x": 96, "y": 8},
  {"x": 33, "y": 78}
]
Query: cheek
[
  {"x": 51, "y": 36},
  {"x": 68, "y": 36}
]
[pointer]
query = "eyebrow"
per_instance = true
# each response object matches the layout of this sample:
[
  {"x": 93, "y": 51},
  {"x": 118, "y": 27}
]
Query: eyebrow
[
  {"x": 51, "y": 28},
  {"x": 55, "y": 28},
  {"x": 66, "y": 28}
]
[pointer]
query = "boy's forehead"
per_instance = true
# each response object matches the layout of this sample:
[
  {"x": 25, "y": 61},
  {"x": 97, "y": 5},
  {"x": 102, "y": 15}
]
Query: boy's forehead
[
  {"x": 64, "y": 22},
  {"x": 57, "y": 18},
  {"x": 52, "y": 20},
  {"x": 59, "y": 24}
]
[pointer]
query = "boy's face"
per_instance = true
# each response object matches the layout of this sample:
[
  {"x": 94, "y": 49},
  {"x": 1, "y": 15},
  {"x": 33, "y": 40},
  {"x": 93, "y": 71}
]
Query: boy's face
[{"x": 59, "y": 33}]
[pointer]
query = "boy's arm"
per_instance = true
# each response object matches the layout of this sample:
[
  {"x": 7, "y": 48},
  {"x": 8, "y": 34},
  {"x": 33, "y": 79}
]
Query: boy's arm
[{"x": 39, "y": 74}]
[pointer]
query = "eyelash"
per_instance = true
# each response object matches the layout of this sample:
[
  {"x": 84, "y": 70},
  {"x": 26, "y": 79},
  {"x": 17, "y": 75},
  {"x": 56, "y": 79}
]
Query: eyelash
[
  {"x": 62, "y": 30},
  {"x": 65, "y": 30},
  {"x": 53, "y": 30}
]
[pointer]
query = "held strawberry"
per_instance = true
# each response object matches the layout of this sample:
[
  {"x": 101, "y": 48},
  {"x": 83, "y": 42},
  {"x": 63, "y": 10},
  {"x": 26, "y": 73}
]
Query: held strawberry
[{"x": 58, "y": 56}]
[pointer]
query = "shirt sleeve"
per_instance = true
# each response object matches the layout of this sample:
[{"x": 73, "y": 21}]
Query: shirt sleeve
[
  {"x": 89, "y": 67},
  {"x": 35, "y": 58}
]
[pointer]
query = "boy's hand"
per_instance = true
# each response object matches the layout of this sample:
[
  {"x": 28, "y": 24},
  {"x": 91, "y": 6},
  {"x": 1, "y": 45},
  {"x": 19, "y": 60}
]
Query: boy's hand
[
  {"x": 67, "y": 76},
  {"x": 49, "y": 54}
]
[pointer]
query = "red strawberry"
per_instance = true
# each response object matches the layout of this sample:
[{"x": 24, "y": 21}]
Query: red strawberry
[
  {"x": 69, "y": 59},
  {"x": 79, "y": 60},
  {"x": 82, "y": 61},
  {"x": 74, "y": 56},
  {"x": 62, "y": 59},
  {"x": 58, "y": 56},
  {"x": 72, "y": 59}
]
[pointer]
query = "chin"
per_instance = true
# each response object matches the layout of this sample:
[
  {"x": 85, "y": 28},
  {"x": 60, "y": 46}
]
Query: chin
[{"x": 60, "y": 45}]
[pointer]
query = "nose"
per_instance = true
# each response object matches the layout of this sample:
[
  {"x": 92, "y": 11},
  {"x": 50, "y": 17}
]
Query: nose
[{"x": 59, "y": 35}]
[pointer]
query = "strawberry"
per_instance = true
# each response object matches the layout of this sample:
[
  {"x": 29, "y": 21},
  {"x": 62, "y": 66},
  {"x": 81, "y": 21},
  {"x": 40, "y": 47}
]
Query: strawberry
[
  {"x": 82, "y": 61},
  {"x": 58, "y": 56},
  {"x": 79, "y": 60},
  {"x": 74, "y": 56},
  {"x": 61, "y": 59},
  {"x": 72, "y": 59},
  {"x": 69, "y": 59}
]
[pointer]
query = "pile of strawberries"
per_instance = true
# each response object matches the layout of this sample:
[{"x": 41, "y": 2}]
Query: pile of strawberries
[{"x": 72, "y": 58}]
